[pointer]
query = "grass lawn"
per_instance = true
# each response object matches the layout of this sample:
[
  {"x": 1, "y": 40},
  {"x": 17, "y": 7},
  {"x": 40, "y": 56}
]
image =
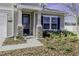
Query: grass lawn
[
  {"x": 11, "y": 41},
  {"x": 57, "y": 44}
]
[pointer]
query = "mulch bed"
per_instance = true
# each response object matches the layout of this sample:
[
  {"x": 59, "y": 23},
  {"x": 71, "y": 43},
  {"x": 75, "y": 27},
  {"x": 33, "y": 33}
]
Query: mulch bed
[
  {"x": 37, "y": 51},
  {"x": 11, "y": 41},
  {"x": 45, "y": 51}
]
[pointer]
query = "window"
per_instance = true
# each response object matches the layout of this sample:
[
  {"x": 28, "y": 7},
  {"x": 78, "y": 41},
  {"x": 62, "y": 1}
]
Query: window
[
  {"x": 46, "y": 26},
  {"x": 46, "y": 19},
  {"x": 46, "y": 23},
  {"x": 50, "y": 22},
  {"x": 53, "y": 26},
  {"x": 54, "y": 20}
]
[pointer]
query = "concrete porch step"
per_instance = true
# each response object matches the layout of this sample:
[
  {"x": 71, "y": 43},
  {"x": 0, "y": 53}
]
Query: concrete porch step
[{"x": 30, "y": 37}]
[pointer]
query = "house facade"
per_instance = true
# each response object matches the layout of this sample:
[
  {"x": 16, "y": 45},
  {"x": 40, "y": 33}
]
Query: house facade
[{"x": 28, "y": 18}]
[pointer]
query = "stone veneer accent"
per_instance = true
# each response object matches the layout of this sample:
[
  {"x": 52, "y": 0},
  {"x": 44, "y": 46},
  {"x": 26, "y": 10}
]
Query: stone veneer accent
[
  {"x": 20, "y": 30},
  {"x": 39, "y": 31}
]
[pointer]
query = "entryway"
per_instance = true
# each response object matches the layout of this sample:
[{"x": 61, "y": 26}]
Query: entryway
[{"x": 26, "y": 23}]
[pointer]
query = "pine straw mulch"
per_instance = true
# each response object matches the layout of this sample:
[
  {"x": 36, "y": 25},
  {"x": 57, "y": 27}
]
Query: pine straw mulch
[
  {"x": 11, "y": 41},
  {"x": 70, "y": 49},
  {"x": 37, "y": 51},
  {"x": 44, "y": 51}
]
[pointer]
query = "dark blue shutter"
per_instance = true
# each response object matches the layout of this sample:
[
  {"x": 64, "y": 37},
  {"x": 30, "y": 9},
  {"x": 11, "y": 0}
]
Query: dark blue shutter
[
  {"x": 41, "y": 20},
  {"x": 58, "y": 23}
]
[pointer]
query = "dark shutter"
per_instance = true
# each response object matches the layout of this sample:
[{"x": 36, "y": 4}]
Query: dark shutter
[
  {"x": 41, "y": 20},
  {"x": 58, "y": 23}
]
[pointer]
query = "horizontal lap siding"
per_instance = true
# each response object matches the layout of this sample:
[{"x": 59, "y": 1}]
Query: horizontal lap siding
[{"x": 9, "y": 24}]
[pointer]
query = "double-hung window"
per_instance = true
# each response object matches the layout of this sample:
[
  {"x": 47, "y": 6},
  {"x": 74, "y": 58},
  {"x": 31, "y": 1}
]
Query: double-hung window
[
  {"x": 54, "y": 22},
  {"x": 46, "y": 22},
  {"x": 50, "y": 22}
]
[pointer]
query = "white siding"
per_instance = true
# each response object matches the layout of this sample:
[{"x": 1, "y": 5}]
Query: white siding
[
  {"x": 9, "y": 21},
  {"x": 3, "y": 25}
]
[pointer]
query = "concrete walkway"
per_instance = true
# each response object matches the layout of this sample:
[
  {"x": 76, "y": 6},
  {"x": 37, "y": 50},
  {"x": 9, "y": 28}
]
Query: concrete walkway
[
  {"x": 1, "y": 41},
  {"x": 30, "y": 43}
]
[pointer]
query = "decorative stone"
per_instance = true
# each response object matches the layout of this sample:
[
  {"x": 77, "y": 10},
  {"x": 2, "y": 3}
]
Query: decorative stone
[
  {"x": 20, "y": 30},
  {"x": 39, "y": 32},
  {"x": 34, "y": 32}
]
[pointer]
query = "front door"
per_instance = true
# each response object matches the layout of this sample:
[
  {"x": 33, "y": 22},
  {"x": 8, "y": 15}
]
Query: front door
[{"x": 26, "y": 23}]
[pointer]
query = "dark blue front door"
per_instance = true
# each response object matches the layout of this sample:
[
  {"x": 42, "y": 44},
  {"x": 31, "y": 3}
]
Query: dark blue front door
[{"x": 26, "y": 23}]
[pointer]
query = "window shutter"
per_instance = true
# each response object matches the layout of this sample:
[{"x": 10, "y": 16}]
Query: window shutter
[
  {"x": 58, "y": 23},
  {"x": 41, "y": 20}
]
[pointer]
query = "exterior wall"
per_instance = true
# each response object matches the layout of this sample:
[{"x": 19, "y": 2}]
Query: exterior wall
[
  {"x": 71, "y": 28},
  {"x": 71, "y": 20},
  {"x": 9, "y": 21},
  {"x": 8, "y": 9}
]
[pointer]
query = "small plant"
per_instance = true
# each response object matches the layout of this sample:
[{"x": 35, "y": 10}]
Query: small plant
[
  {"x": 72, "y": 38},
  {"x": 25, "y": 35},
  {"x": 19, "y": 37},
  {"x": 67, "y": 49},
  {"x": 50, "y": 47},
  {"x": 46, "y": 34},
  {"x": 51, "y": 36}
]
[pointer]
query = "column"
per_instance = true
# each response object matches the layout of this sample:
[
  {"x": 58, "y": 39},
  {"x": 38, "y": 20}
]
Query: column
[
  {"x": 34, "y": 23},
  {"x": 20, "y": 27},
  {"x": 39, "y": 26},
  {"x": 19, "y": 17}
]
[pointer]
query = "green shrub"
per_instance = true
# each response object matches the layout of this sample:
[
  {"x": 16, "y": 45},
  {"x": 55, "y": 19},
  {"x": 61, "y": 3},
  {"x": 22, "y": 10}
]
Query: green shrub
[{"x": 64, "y": 35}]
